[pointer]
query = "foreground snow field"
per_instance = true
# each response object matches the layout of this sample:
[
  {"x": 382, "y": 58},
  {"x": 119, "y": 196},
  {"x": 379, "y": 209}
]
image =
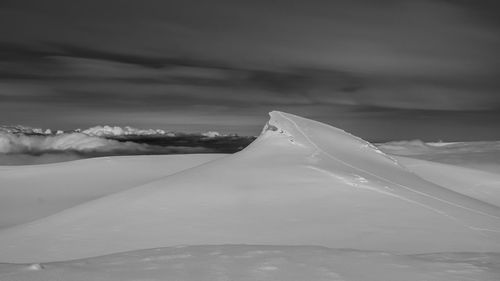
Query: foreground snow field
[
  {"x": 250, "y": 263},
  {"x": 300, "y": 183}
]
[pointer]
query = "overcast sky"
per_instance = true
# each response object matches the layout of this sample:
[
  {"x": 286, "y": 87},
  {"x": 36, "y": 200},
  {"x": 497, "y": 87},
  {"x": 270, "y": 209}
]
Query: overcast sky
[{"x": 382, "y": 69}]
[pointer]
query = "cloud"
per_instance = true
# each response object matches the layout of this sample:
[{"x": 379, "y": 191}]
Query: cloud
[
  {"x": 106, "y": 130},
  {"x": 83, "y": 144},
  {"x": 20, "y": 145}
]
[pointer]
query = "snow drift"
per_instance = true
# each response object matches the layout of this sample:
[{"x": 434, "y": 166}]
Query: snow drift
[
  {"x": 300, "y": 183},
  {"x": 479, "y": 184},
  {"x": 35, "y": 191}
]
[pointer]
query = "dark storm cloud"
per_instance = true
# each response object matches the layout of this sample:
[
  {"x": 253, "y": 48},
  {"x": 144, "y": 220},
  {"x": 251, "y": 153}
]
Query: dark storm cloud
[{"x": 162, "y": 62}]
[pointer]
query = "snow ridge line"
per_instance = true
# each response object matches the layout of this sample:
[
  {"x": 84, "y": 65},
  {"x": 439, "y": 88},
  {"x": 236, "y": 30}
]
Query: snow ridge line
[
  {"x": 384, "y": 179},
  {"x": 388, "y": 193}
]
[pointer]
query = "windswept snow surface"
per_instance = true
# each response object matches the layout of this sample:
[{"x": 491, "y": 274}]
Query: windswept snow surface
[
  {"x": 300, "y": 183},
  {"x": 35, "y": 191},
  {"x": 250, "y": 263},
  {"x": 482, "y": 185}
]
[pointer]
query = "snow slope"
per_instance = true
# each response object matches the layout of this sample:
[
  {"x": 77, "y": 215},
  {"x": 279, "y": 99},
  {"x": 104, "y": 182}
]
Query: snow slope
[
  {"x": 35, "y": 191},
  {"x": 300, "y": 183},
  {"x": 482, "y": 185}
]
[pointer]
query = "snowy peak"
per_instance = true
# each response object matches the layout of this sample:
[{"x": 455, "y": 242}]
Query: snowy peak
[
  {"x": 321, "y": 138},
  {"x": 359, "y": 163},
  {"x": 283, "y": 124}
]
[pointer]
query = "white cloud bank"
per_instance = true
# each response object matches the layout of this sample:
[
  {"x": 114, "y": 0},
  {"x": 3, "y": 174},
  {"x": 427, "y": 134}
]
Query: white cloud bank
[
  {"x": 123, "y": 131},
  {"x": 18, "y": 148},
  {"x": 21, "y": 143},
  {"x": 102, "y": 131}
]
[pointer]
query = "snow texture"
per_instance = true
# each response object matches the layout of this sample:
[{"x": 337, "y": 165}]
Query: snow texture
[
  {"x": 249, "y": 263},
  {"x": 300, "y": 183}
]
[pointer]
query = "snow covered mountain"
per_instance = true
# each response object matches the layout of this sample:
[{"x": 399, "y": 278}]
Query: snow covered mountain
[{"x": 300, "y": 183}]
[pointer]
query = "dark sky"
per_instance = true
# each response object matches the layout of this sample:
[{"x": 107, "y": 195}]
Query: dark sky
[{"x": 382, "y": 69}]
